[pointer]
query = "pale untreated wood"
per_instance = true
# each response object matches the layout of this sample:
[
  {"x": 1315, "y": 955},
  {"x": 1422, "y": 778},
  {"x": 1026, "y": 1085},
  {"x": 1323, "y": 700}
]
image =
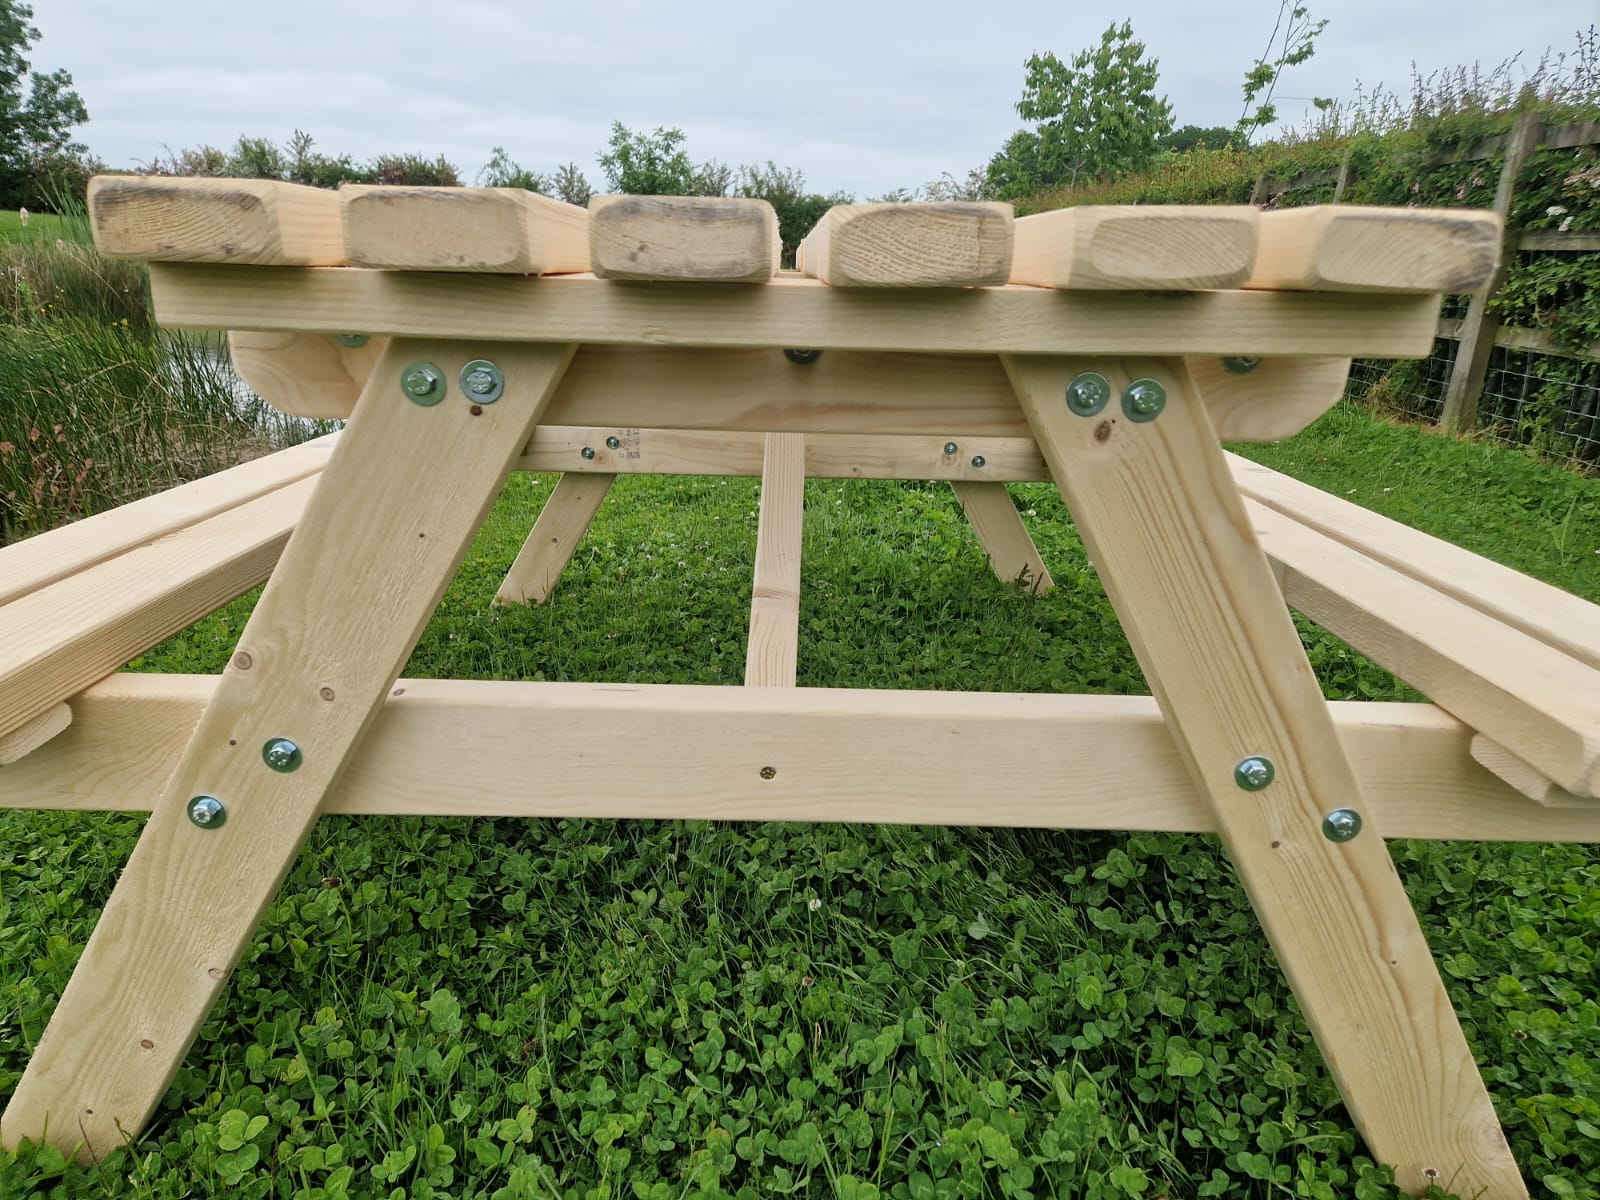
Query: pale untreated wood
[
  {"x": 469, "y": 749},
  {"x": 560, "y": 526},
  {"x": 499, "y": 230},
  {"x": 1011, "y": 553},
  {"x": 1274, "y": 399},
  {"x": 1540, "y": 704},
  {"x": 799, "y": 313},
  {"x": 1352, "y": 247},
  {"x": 321, "y": 649},
  {"x": 41, "y": 560},
  {"x": 1559, "y": 619},
  {"x": 28, "y": 737},
  {"x": 259, "y": 221},
  {"x": 304, "y": 374},
  {"x": 1523, "y": 778},
  {"x": 773, "y": 652},
  {"x": 1178, "y": 247},
  {"x": 60, "y": 638},
  {"x": 697, "y": 239},
  {"x": 943, "y": 244},
  {"x": 1168, "y": 535}
]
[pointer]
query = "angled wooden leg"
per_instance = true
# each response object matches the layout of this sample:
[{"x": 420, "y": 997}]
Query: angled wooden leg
[
  {"x": 773, "y": 655},
  {"x": 1012, "y": 555},
  {"x": 394, "y": 512},
  {"x": 1169, "y": 535},
  {"x": 562, "y": 522}
]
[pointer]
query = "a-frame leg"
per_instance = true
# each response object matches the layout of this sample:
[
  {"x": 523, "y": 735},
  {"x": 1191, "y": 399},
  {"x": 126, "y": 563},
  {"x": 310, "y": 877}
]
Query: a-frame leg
[
  {"x": 1161, "y": 517},
  {"x": 773, "y": 655},
  {"x": 561, "y": 524},
  {"x": 1012, "y": 555},
  {"x": 391, "y": 519}
]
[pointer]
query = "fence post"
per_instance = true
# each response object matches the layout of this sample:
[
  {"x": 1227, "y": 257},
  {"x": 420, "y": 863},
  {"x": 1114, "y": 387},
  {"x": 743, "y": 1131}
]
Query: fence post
[{"x": 1460, "y": 411}]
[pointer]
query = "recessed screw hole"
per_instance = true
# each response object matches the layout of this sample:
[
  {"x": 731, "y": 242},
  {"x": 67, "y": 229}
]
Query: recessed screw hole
[
  {"x": 326, "y": 693},
  {"x": 769, "y": 772},
  {"x": 147, "y": 1043},
  {"x": 476, "y": 410}
]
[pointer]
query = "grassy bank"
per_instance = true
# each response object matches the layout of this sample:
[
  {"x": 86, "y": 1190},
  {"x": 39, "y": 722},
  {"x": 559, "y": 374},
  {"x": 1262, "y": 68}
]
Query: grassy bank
[{"x": 508, "y": 1009}]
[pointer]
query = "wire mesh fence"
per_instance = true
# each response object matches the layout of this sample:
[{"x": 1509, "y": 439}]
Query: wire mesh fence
[{"x": 1547, "y": 402}]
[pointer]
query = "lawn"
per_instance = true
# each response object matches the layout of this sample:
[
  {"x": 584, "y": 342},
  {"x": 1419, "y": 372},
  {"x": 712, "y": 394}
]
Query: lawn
[
  {"x": 39, "y": 225},
  {"x": 662, "y": 1010}
]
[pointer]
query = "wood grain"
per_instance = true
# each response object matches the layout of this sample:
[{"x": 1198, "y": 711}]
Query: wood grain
[
  {"x": 499, "y": 230},
  {"x": 304, "y": 374},
  {"x": 695, "y": 239},
  {"x": 258, "y": 221},
  {"x": 359, "y": 579},
  {"x": 954, "y": 244},
  {"x": 468, "y": 748},
  {"x": 773, "y": 649},
  {"x": 560, "y": 526},
  {"x": 1179, "y": 247},
  {"x": 1011, "y": 553},
  {"x": 28, "y": 737},
  {"x": 1356, "y": 248},
  {"x": 1168, "y": 534}
]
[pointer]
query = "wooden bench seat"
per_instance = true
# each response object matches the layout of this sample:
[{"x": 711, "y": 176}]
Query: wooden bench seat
[{"x": 77, "y": 603}]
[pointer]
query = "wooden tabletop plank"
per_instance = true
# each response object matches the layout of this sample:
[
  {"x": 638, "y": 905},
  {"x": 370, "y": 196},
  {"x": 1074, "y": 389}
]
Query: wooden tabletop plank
[
  {"x": 1180, "y": 247},
  {"x": 794, "y": 312},
  {"x": 953, "y": 244},
  {"x": 687, "y": 239},
  {"x": 506, "y": 231},
  {"x": 1356, "y": 248},
  {"x": 258, "y": 221}
]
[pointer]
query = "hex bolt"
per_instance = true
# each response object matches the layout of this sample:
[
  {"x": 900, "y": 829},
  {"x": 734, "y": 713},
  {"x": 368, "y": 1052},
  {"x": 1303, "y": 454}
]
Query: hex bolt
[
  {"x": 207, "y": 812},
  {"x": 1240, "y": 366},
  {"x": 1088, "y": 393},
  {"x": 802, "y": 358},
  {"x": 482, "y": 381},
  {"x": 281, "y": 754},
  {"x": 951, "y": 447},
  {"x": 613, "y": 443},
  {"x": 1143, "y": 400},
  {"x": 1254, "y": 773},
  {"x": 1341, "y": 825},
  {"x": 978, "y": 460},
  {"x": 424, "y": 383},
  {"x": 350, "y": 339},
  {"x": 587, "y": 452}
]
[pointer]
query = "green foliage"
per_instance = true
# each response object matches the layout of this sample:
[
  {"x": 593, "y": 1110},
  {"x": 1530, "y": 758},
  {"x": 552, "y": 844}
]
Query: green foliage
[
  {"x": 570, "y": 184},
  {"x": 1193, "y": 137},
  {"x": 503, "y": 171},
  {"x": 38, "y": 112},
  {"x": 1097, "y": 117},
  {"x": 785, "y": 189},
  {"x": 648, "y": 164},
  {"x": 1292, "y": 42}
]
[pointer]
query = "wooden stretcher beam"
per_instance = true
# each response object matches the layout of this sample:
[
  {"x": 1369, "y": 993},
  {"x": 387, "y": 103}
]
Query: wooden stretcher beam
[
  {"x": 1356, "y": 248},
  {"x": 1012, "y": 556},
  {"x": 257, "y": 221},
  {"x": 949, "y": 244},
  {"x": 773, "y": 652},
  {"x": 502, "y": 229},
  {"x": 464, "y": 748},
  {"x": 557, "y": 530},
  {"x": 688, "y": 239},
  {"x": 793, "y": 312},
  {"x": 1180, "y": 247}
]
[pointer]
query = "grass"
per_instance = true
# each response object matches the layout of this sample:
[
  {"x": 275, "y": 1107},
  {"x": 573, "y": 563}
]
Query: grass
[
  {"x": 668, "y": 1009},
  {"x": 45, "y": 225}
]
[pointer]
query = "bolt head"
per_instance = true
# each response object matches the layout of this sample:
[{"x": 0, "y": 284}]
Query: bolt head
[
  {"x": 207, "y": 812},
  {"x": 802, "y": 358},
  {"x": 951, "y": 447},
  {"x": 1088, "y": 393},
  {"x": 978, "y": 460},
  {"x": 424, "y": 383},
  {"x": 1143, "y": 400},
  {"x": 351, "y": 340},
  {"x": 613, "y": 443},
  {"x": 1240, "y": 366},
  {"x": 482, "y": 381},
  {"x": 587, "y": 452},
  {"x": 1254, "y": 773},
  {"x": 281, "y": 754},
  {"x": 1341, "y": 825}
]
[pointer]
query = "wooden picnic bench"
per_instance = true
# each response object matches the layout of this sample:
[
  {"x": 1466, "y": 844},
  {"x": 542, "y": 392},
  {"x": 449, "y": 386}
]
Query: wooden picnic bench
[{"x": 468, "y": 333}]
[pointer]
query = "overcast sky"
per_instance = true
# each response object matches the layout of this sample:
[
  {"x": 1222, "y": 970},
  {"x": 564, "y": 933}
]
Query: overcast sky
[{"x": 862, "y": 96}]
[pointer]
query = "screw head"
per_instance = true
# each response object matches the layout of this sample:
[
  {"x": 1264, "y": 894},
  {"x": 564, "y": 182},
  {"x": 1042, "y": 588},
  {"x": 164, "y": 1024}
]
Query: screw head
[
  {"x": 978, "y": 460},
  {"x": 482, "y": 381},
  {"x": 613, "y": 443},
  {"x": 281, "y": 754},
  {"x": 424, "y": 383},
  {"x": 207, "y": 812},
  {"x": 587, "y": 452},
  {"x": 1143, "y": 400},
  {"x": 951, "y": 447},
  {"x": 1240, "y": 366},
  {"x": 802, "y": 358},
  {"x": 1254, "y": 773},
  {"x": 350, "y": 339},
  {"x": 1088, "y": 393},
  {"x": 1341, "y": 825}
]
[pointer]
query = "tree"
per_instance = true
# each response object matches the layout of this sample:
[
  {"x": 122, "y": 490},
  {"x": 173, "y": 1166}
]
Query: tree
[
  {"x": 572, "y": 185},
  {"x": 1097, "y": 117},
  {"x": 36, "y": 131},
  {"x": 785, "y": 189},
  {"x": 1215, "y": 137},
  {"x": 648, "y": 164},
  {"x": 1296, "y": 44},
  {"x": 504, "y": 171}
]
